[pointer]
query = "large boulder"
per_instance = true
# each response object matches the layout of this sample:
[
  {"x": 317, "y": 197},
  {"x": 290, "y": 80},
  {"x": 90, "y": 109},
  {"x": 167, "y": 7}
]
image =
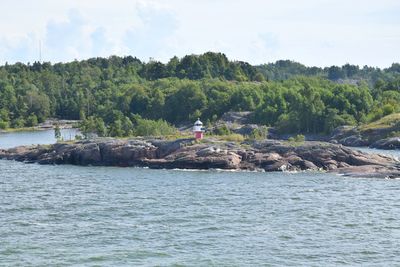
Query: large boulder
[
  {"x": 369, "y": 171},
  {"x": 166, "y": 147},
  {"x": 247, "y": 129},
  {"x": 85, "y": 154},
  {"x": 353, "y": 140},
  {"x": 376, "y": 134},
  {"x": 126, "y": 153},
  {"x": 236, "y": 117},
  {"x": 343, "y": 131},
  {"x": 205, "y": 158}
]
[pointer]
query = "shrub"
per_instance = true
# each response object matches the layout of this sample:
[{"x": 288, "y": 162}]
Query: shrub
[
  {"x": 31, "y": 121},
  {"x": 116, "y": 129},
  {"x": 145, "y": 127},
  {"x": 298, "y": 138},
  {"x": 259, "y": 133},
  {"x": 222, "y": 130},
  {"x": 93, "y": 125},
  {"x": 18, "y": 123},
  {"x": 57, "y": 132},
  {"x": 4, "y": 125},
  {"x": 388, "y": 109}
]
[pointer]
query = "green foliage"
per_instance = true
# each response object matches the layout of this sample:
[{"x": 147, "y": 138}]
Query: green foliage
[
  {"x": 185, "y": 104},
  {"x": 297, "y": 138},
  {"x": 286, "y": 69},
  {"x": 146, "y": 127},
  {"x": 385, "y": 122},
  {"x": 4, "y": 125},
  {"x": 78, "y": 137},
  {"x": 57, "y": 132},
  {"x": 105, "y": 92},
  {"x": 116, "y": 129},
  {"x": 18, "y": 123},
  {"x": 222, "y": 130},
  {"x": 387, "y": 109},
  {"x": 38, "y": 103},
  {"x": 260, "y": 133},
  {"x": 232, "y": 138},
  {"x": 196, "y": 67},
  {"x": 31, "y": 121},
  {"x": 93, "y": 125}
]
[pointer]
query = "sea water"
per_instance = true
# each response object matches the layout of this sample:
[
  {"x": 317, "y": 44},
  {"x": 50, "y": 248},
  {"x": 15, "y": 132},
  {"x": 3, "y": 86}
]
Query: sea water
[{"x": 106, "y": 216}]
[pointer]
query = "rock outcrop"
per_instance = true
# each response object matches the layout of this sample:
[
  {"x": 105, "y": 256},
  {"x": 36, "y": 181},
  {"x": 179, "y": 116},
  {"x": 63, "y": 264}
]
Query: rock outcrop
[
  {"x": 387, "y": 143},
  {"x": 382, "y": 134},
  {"x": 265, "y": 155}
]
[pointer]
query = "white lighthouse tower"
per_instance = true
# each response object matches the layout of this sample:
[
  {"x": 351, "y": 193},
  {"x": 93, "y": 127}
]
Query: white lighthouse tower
[{"x": 198, "y": 130}]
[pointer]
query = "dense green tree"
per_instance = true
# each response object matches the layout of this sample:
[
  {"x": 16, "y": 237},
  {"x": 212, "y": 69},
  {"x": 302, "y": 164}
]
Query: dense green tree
[
  {"x": 57, "y": 132},
  {"x": 38, "y": 103},
  {"x": 182, "y": 104},
  {"x": 114, "y": 96},
  {"x": 31, "y": 120}
]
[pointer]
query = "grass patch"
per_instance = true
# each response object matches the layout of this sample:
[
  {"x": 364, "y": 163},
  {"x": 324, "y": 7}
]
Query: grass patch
[
  {"x": 67, "y": 142},
  {"x": 394, "y": 134},
  {"x": 385, "y": 122},
  {"x": 178, "y": 136},
  {"x": 297, "y": 140},
  {"x": 23, "y": 129},
  {"x": 230, "y": 137},
  {"x": 293, "y": 143}
]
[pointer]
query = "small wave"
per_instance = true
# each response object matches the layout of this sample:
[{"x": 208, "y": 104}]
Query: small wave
[
  {"x": 187, "y": 170},
  {"x": 215, "y": 170}
]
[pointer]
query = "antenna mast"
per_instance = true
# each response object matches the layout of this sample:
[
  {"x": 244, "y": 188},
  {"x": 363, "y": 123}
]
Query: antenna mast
[{"x": 40, "y": 51}]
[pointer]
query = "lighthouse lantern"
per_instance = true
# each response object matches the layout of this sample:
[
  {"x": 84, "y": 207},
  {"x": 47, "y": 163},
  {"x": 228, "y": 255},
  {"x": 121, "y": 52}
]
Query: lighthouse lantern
[{"x": 198, "y": 129}]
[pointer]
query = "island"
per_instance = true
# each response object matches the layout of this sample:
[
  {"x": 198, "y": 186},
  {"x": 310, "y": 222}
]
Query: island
[
  {"x": 188, "y": 153},
  {"x": 281, "y": 116}
]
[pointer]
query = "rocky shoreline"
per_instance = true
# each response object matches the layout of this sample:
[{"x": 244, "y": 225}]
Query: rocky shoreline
[
  {"x": 267, "y": 155},
  {"x": 382, "y": 137},
  {"x": 49, "y": 124}
]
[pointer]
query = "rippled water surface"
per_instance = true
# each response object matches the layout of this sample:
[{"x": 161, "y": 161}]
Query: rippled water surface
[
  {"x": 98, "y": 216},
  {"x": 103, "y": 216}
]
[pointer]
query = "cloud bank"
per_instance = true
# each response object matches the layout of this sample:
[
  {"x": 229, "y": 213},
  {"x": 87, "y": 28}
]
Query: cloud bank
[{"x": 314, "y": 32}]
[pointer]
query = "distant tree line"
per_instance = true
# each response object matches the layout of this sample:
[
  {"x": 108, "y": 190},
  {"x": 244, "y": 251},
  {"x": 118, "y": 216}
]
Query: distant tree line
[
  {"x": 286, "y": 69},
  {"x": 122, "y": 96}
]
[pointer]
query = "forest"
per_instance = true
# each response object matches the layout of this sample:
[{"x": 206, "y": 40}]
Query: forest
[{"x": 118, "y": 96}]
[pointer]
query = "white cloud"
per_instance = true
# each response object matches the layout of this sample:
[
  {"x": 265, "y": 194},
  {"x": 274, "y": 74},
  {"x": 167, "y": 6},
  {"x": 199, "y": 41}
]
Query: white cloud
[
  {"x": 314, "y": 32},
  {"x": 150, "y": 39}
]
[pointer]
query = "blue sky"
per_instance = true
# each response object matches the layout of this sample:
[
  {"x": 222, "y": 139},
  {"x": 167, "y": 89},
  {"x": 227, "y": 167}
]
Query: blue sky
[{"x": 313, "y": 32}]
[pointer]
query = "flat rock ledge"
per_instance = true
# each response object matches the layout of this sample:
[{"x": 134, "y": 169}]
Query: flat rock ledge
[{"x": 267, "y": 155}]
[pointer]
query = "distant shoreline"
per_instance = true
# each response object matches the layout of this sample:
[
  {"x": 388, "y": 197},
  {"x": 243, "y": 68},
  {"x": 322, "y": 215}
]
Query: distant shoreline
[{"x": 49, "y": 124}]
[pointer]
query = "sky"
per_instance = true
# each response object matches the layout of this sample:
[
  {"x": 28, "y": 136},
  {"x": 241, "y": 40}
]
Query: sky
[{"x": 312, "y": 32}]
